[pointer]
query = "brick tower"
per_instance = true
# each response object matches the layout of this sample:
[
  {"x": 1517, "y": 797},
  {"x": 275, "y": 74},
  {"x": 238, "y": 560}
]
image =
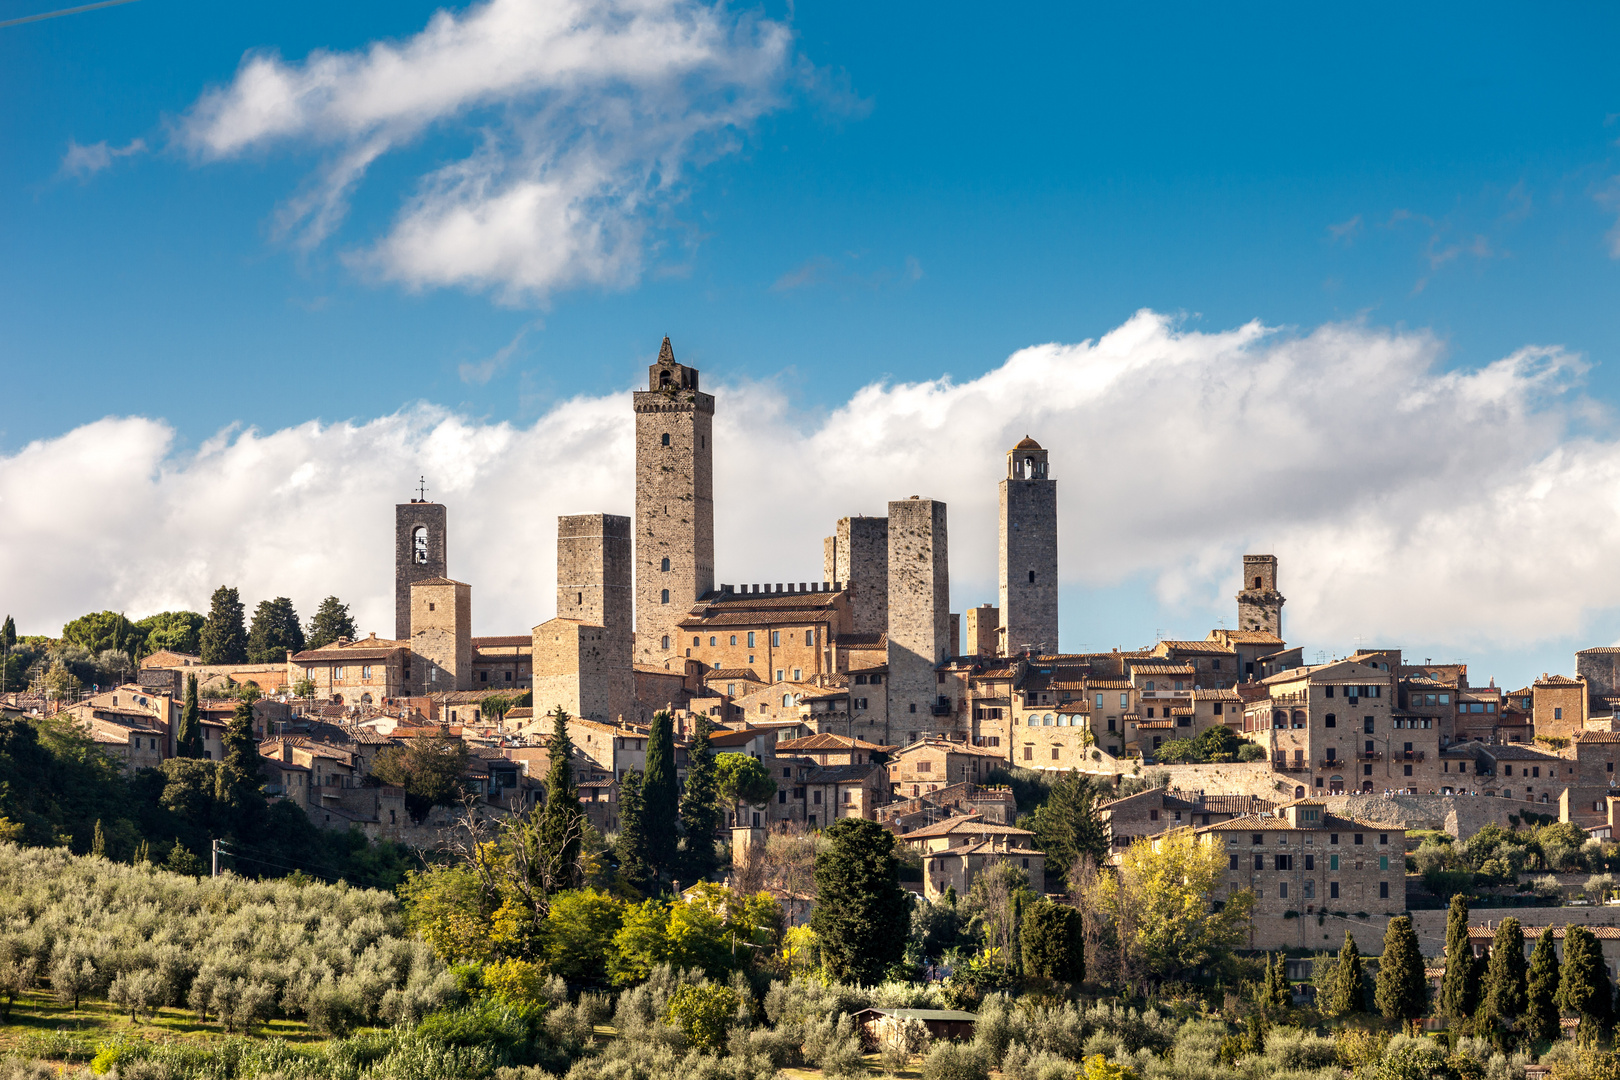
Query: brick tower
[
  {"x": 1259, "y": 602},
  {"x": 674, "y": 554},
  {"x": 420, "y": 539},
  {"x": 1028, "y": 555}
]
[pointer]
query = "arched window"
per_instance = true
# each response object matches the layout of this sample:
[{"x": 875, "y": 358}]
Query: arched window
[
  {"x": 665, "y": 439},
  {"x": 787, "y": 699},
  {"x": 1299, "y": 718},
  {"x": 1034, "y": 720},
  {"x": 695, "y": 640},
  {"x": 734, "y": 639},
  {"x": 665, "y": 643},
  {"x": 663, "y": 596},
  {"x": 664, "y": 565},
  {"x": 419, "y": 553},
  {"x": 1299, "y": 792},
  {"x": 1046, "y": 721},
  {"x": 365, "y": 699}
]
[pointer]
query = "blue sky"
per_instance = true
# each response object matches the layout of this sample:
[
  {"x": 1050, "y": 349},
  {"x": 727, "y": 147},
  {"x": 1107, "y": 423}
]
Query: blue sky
[{"x": 913, "y": 191}]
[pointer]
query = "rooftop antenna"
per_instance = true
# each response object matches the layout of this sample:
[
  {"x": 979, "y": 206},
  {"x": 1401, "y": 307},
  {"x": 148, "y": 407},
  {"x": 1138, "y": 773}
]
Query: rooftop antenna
[{"x": 421, "y": 489}]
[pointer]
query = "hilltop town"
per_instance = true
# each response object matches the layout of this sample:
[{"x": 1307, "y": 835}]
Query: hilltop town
[{"x": 862, "y": 694}]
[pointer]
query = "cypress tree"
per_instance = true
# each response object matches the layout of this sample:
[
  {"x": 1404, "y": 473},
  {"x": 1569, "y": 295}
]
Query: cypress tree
[
  {"x": 1053, "y": 942},
  {"x": 561, "y": 823},
  {"x": 1349, "y": 993},
  {"x": 631, "y": 847},
  {"x": 189, "y": 739},
  {"x": 1505, "y": 994},
  {"x": 330, "y": 622},
  {"x": 1584, "y": 987},
  {"x": 224, "y": 637},
  {"x": 1402, "y": 991},
  {"x": 8, "y": 633},
  {"x": 660, "y": 796},
  {"x": 237, "y": 781},
  {"x": 275, "y": 630},
  {"x": 1459, "y": 989},
  {"x": 700, "y": 807},
  {"x": 862, "y": 916},
  {"x": 1541, "y": 1000}
]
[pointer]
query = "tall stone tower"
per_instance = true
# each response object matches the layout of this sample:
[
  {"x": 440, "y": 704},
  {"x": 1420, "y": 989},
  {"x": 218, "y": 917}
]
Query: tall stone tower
[
  {"x": 583, "y": 660},
  {"x": 441, "y": 635},
  {"x": 857, "y": 554},
  {"x": 1259, "y": 602},
  {"x": 674, "y": 556},
  {"x": 420, "y": 538},
  {"x": 1028, "y": 555},
  {"x": 594, "y": 571},
  {"x": 919, "y": 616}
]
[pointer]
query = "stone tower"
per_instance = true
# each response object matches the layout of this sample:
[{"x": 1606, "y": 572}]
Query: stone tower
[
  {"x": 674, "y": 555},
  {"x": 1028, "y": 553},
  {"x": 1259, "y": 602},
  {"x": 594, "y": 571},
  {"x": 919, "y": 616},
  {"x": 419, "y": 553},
  {"x": 441, "y": 635},
  {"x": 857, "y": 554}
]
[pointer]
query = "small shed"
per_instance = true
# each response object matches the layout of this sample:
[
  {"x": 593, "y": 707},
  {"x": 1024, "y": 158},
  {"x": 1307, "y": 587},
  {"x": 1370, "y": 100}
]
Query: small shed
[{"x": 941, "y": 1023}]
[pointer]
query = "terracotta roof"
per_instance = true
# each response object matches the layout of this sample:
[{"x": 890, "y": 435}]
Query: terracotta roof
[
  {"x": 334, "y": 655},
  {"x": 1253, "y": 637},
  {"x": 1155, "y": 725},
  {"x": 827, "y": 741},
  {"x": 1597, "y": 737},
  {"x": 1163, "y": 669},
  {"x": 502, "y": 639},
  {"x": 778, "y": 617},
  {"x": 1517, "y": 752},
  {"x": 1268, "y": 823},
  {"x": 437, "y": 581},
  {"x": 1108, "y": 684},
  {"x": 1487, "y": 931},
  {"x": 983, "y": 847},
  {"x": 735, "y": 738},
  {"x": 953, "y": 747},
  {"x": 969, "y": 823},
  {"x": 739, "y": 673},
  {"x": 1557, "y": 680},
  {"x": 863, "y": 641},
  {"x": 1197, "y": 646},
  {"x": 1217, "y": 695}
]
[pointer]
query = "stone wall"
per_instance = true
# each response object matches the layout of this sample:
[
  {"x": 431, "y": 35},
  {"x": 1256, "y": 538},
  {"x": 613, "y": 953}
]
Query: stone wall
[
  {"x": 1459, "y": 815},
  {"x": 1327, "y": 935},
  {"x": 441, "y": 624},
  {"x": 980, "y": 625},
  {"x": 1235, "y": 778}
]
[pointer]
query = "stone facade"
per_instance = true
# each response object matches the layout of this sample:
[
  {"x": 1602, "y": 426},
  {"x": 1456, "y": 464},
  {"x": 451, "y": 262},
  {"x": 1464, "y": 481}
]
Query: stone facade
[
  {"x": 593, "y": 627},
  {"x": 674, "y": 553},
  {"x": 361, "y": 672},
  {"x": 982, "y": 625},
  {"x": 919, "y": 616},
  {"x": 1259, "y": 603},
  {"x": 1559, "y": 705},
  {"x": 580, "y": 667},
  {"x": 955, "y": 868},
  {"x": 441, "y": 635},
  {"x": 931, "y": 764},
  {"x": 420, "y": 552},
  {"x": 594, "y": 571},
  {"x": 1027, "y": 560},
  {"x": 857, "y": 555}
]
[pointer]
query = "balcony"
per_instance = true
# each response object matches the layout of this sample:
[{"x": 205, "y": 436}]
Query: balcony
[
  {"x": 942, "y": 707},
  {"x": 1370, "y": 755},
  {"x": 1408, "y": 755},
  {"x": 1284, "y": 765},
  {"x": 1333, "y": 763}
]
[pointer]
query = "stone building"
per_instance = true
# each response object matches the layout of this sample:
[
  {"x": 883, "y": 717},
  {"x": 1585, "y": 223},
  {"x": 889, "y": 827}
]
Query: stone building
[
  {"x": 441, "y": 635},
  {"x": 1559, "y": 705},
  {"x": 421, "y": 551},
  {"x": 957, "y": 867},
  {"x": 919, "y": 617},
  {"x": 1259, "y": 603},
  {"x": 363, "y": 672},
  {"x": 933, "y": 763},
  {"x": 982, "y": 627},
  {"x": 785, "y": 634},
  {"x": 1027, "y": 559},
  {"x": 583, "y": 659},
  {"x": 1148, "y": 813},
  {"x": 968, "y": 829},
  {"x": 674, "y": 549},
  {"x": 1301, "y": 860},
  {"x": 857, "y": 554}
]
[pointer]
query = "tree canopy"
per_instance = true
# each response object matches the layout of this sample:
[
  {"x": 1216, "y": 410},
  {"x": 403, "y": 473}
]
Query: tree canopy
[
  {"x": 330, "y": 622},
  {"x": 744, "y": 779},
  {"x": 862, "y": 914},
  {"x": 660, "y": 796},
  {"x": 275, "y": 630},
  {"x": 1401, "y": 991},
  {"x": 176, "y": 631},
  {"x": 1066, "y": 825},
  {"x": 1164, "y": 907},
  {"x": 429, "y": 769},
  {"x": 224, "y": 637}
]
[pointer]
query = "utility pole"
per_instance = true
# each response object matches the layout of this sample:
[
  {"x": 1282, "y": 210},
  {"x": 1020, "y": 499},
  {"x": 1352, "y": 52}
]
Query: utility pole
[{"x": 216, "y": 859}]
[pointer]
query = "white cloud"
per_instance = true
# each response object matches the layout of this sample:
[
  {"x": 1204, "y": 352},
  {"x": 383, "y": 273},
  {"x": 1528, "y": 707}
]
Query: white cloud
[
  {"x": 1409, "y": 504},
  {"x": 589, "y": 113},
  {"x": 84, "y": 161}
]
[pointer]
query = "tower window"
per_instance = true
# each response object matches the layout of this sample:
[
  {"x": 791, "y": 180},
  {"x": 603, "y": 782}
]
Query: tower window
[
  {"x": 1032, "y": 577},
  {"x": 1256, "y": 580},
  {"x": 664, "y": 565},
  {"x": 665, "y": 441},
  {"x": 734, "y": 639},
  {"x": 419, "y": 552},
  {"x": 665, "y": 643},
  {"x": 579, "y": 598},
  {"x": 663, "y": 596}
]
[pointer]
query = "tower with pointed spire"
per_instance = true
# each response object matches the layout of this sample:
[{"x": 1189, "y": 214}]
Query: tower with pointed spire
[{"x": 674, "y": 552}]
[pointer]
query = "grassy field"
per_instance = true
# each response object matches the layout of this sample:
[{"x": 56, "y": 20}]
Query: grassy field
[{"x": 41, "y": 1026}]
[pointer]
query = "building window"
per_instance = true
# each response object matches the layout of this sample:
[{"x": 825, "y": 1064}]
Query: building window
[
  {"x": 1383, "y": 890},
  {"x": 776, "y": 638},
  {"x": 1124, "y": 701},
  {"x": 1360, "y": 837},
  {"x": 1333, "y": 890},
  {"x": 663, "y": 596},
  {"x": 1558, "y": 714},
  {"x": 809, "y": 637},
  {"x": 1259, "y": 862},
  {"x": 696, "y": 640},
  {"x": 798, "y": 674},
  {"x": 1383, "y": 862},
  {"x": 781, "y": 795},
  {"x": 365, "y": 671},
  {"x": 750, "y": 644},
  {"x": 1231, "y": 862},
  {"x": 483, "y": 676},
  {"x": 712, "y": 640},
  {"x": 664, "y": 565},
  {"x": 1310, "y": 860},
  {"x": 1282, "y": 890},
  {"x": 664, "y": 439},
  {"x": 337, "y": 673},
  {"x": 1029, "y": 753},
  {"x": 665, "y": 640}
]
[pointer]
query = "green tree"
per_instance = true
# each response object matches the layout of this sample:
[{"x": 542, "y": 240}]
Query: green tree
[
  {"x": 275, "y": 630},
  {"x": 578, "y": 934},
  {"x": 224, "y": 637},
  {"x": 1066, "y": 826},
  {"x": 1163, "y": 908},
  {"x": 743, "y": 779},
  {"x": 862, "y": 915},
  {"x": 700, "y": 807},
  {"x": 430, "y": 771},
  {"x": 1541, "y": 998},
  {"x": 331, "y": 621},
  {"x": 189, "y": 739},
  {"x": 660, "y": 796},
  {"x": 237, "y": 781},
  {"x": 702, "y": 1013},
  {"x": 1401, "y": 991},
  {"x": 1505, "y": 992},
  {"x": 8, "y": 633},
  {"x": 1459, "y": 989},
  {"x": 562, "y": 821},
  {"x": 1053, "y": 942},
  {"x": 1212, "y": 746},
  {"x": 1583, "y": 988},
  {"x": 631, "y": 848},
  {"x": 103, "y": 630},
  {"x": 176, "y": 631},
  {"x": 448, "y": 907},
  {"x": 1348, "y": 996}
]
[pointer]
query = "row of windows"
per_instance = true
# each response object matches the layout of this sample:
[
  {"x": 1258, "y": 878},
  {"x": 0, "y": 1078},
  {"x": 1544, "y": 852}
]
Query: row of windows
[
  {"x": 1046, "y": 719},
  {"x": 1373, "y": 691},
  {"x": 341, "y": 672},
  {"x": 1258, "y": 839},
  {"x": 776, "y": 639},
  {"x": 1286, "y": 862},
  {"x": 1308, "y": 892},
  {"x": 1124, "y": 701}
]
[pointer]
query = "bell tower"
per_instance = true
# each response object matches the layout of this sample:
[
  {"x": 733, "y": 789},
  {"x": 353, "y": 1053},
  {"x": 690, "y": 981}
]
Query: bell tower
[
  {"x": 674, "y": 551},
  {"x": 420, "y": 539},
  {"x": 1259, "y": 602},
  {"x": 1028, "y": 554}
]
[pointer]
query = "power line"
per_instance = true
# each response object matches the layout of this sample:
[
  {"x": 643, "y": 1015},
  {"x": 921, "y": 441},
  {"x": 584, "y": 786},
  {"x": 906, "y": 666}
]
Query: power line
[{"x": 64, "y": 11}]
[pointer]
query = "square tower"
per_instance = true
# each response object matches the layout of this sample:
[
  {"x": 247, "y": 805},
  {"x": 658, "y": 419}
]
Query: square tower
[
  {"x": 420, "y": 537},
  {"x": 857, "y": 554},
  {"x": 674, "y": 552},
  {"x": 983, "y": 626},
  {"x": 594, "y": 571},
  {"x": 1028, "y": 554},
  {"x": 1259, "y": 602},
  {"x": 919, "y": 614},
  {"x": 441, "y": 637}
]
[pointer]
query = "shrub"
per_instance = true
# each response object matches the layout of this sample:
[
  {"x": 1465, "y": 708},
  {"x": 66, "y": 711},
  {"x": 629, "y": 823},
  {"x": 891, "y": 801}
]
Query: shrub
[
  {"x": 1099, "y": 1068},
  {"x": 519, "y": 981},
  {"x": 701, "y": 1013},
  {"x": 953, "y": 1061}
]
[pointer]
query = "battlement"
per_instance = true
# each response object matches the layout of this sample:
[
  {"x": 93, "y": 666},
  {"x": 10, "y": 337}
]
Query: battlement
[{"x": 780, "y": 589}]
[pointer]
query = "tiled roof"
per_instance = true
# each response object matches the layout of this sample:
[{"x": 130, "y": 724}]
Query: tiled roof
[
  {"x": 1268, "y": 823},
  {"x": 983, "y": 847},
  {"x": 1197, "y": 646},
  {"x": 1108, "y": 684},
  {"x": 1217, "y": 695},
  {"x": 1597, "y": 737},
  {"x": 1557, "y": 680},
  {"x": 1155, "y": 725},
  {"x": 827, "y": 741},
  {"x": 790, "y": 616},
  {"x": 952, "y": 747},
  {"x": 1515, "y": 752},
  {"x": 735, "y": 738},
  {"x": 1487, "y": 931},
  {"x": 1232, "y": 804},
  {"x": 1253, "y": 637},
  {"x": 863, "y": 641},
  {"x": 502, "y": 640},
  {"x": 740, "y": 674},
  {"x": 335, "y": 655},
  {"x": 970, "y": 823},
  {"x": 1163, "y": 669},
  {"x": 766, "y": 601}
]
